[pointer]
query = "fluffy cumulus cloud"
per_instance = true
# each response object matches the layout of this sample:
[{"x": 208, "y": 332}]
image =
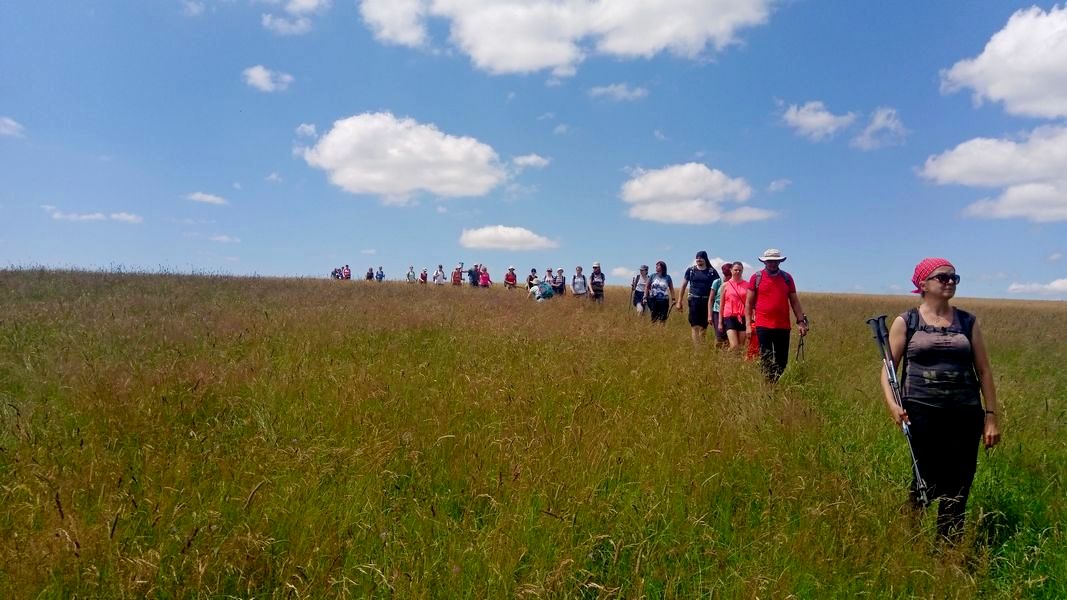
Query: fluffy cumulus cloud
[
  {"x": 122, "y": 217},
  {"x": 884, "y": 129},
  {"x": 393, "y": 158},
  {"x": 530, "y": 161},
  {"x": 501, "y": 237},
  {"x": 523, "y": 36},
  {"x": 11, "y": 128},
  {"x": 1056, "y": 287},
  {"x": 265, "y": 80},
  {"x": 690, "y": 193},
  {"x": 297, "y": 19},
  {"x": 206, "y": 198},
  {"x": 619, "y": 92},
  {"x": 1031, "y": 171},
  {"x": 779, "y": 185},
  {"x": 1022, "y": 65},
  {"x": 622, "y": 272},
  {"x": 815, "y": 122}
]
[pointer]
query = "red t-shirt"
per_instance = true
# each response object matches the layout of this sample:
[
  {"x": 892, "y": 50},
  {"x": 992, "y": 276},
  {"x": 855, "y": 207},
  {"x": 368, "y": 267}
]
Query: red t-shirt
[{"x": 772, "y": 300}]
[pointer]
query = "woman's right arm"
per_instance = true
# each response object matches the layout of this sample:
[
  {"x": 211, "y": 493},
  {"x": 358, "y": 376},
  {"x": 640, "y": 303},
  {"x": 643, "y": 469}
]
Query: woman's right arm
[{"x": 898, "y": 333}]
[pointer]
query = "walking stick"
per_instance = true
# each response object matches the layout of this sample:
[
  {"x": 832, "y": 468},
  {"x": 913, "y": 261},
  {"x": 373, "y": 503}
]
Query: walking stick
[{"x": 881, "y": 337}]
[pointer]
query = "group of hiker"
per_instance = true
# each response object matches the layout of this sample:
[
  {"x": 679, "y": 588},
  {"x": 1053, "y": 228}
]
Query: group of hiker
[{"x": 946, "y": 402}]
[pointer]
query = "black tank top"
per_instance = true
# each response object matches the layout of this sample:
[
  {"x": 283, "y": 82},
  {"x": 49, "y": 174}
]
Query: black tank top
[{"x": 940, "y": 368}]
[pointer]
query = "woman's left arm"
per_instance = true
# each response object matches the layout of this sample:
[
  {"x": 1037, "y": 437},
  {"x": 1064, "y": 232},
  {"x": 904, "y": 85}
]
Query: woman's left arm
[{"x": 991, "y": 430}]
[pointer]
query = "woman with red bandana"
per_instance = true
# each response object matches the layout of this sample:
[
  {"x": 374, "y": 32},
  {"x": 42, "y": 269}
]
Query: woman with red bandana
[{"x": 946, "y": 378}]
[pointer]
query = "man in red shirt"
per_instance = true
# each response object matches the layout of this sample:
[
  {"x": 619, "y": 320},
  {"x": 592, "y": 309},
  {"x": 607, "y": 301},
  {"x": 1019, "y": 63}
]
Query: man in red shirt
[{"x": 771, "y": 293}]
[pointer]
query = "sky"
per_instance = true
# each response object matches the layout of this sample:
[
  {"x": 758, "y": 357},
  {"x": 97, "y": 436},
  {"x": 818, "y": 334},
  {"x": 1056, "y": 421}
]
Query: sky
[{"x": 289, "y": 137}]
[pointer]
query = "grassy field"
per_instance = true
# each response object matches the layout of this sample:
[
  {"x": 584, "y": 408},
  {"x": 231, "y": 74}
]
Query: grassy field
[{"x": 172, "y": 436}]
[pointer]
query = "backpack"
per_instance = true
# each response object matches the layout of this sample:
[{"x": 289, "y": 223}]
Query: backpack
[
  {"x": 911, "y": 319},
  {"x": 759, "y": 278}
]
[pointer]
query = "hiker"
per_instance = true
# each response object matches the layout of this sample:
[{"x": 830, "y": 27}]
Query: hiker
[
  {"x": 439, "y": 275},
  {"x": 411, "y": 274},
  {"x": 346, "y": 273},
  {"x": 540, "y": 290},
  {"x": 473, "y": 275},
  {"x": 716, "y": 305},
  {"x": 483, "y": 277},
  {"x": 457, "y": 275},
  {"x": 946, "y": 377},
  {"x": 698, "y": 279},
  {"x": 637, "y": 289},
  {"x": 659, "y": 293},
  {"x": 771, "y": 293},
  {"x": 532, "y": 280},
  {"x": 422, "y": 277},
  {"x": 335, "y": 274},
  {"x": 370, "y": 274},
  {"x": 511, "y": 279},
  {"x": 579, "y": 286},
  {"x": 559, "y": 283},
  {"x": 380, "y": 275},
  {"x": 596, "y": 283},
  {"x": 732, "y": 307}
]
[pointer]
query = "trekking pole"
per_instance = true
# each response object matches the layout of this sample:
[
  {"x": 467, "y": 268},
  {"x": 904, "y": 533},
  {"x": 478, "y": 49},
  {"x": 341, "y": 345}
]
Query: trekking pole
[
  {"x": 800, "y": 345},
  {"x": 881, "y": 337}
]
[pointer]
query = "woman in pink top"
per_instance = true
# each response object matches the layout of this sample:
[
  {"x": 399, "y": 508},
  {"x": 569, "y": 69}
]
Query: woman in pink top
[
  {"x": 483, "y": 278},
  {"x": 732, "y": 307}
]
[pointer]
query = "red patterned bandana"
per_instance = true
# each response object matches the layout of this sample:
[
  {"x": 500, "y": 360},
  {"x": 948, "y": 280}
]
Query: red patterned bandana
[{"x": 923, "y": 270}]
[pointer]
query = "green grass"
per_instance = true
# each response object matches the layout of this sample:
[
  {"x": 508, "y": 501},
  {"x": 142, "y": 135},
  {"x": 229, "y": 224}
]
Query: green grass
[{"x": 174, "y": 436}]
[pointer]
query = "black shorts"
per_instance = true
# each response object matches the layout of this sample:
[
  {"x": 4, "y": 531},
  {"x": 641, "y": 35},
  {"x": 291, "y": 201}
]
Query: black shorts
[
  {"x": 698, "y": 311},
  {"x": 734, "y": 324}
]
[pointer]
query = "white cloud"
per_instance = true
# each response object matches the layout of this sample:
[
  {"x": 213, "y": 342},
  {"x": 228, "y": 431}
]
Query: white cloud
[
  {"x": 224, "y": 239},
  {"x": 561, "y": 129},
  {"x": 306, "y": 130},
  {"x": 11, "y": 128},
  {"x": 659, "y": 135},
  {"x": 779, "y": 185},
  {"x": 690, "y": 193},
  {"x": 237, "y": 185},
  {"x": 126, "y": 217},
  {"x": 441, "y": 209},
  {"x": 533, "y": 161},
  {"x": 1055, "y": 256},
  {"x": 1038, "y": 202},
  {"x": 618, "y": 92},
  {"x": 1053, "y": 288},
  {"x": 1022, "y": 65},
  {"x": 286, "y": 26},
  {"x": 265, "y": 80},
  {"x": 297, "y": 23},
  {"x": 622, "y": 272},
  {"x": 815, "y": 122},
  {"x": 206, "y": 198},
  {"x": 274, "y": 178},
  {"x": 500, "y": 237},
  {"x": 1032, "y": 171},
  {"x": 59, "y": 215},
  {"x": 396, "y": 21},
  {"x": 393, "y": 158},
  {"x": 368, "y": 251},
  {"x": 191, "y": 8},
  {"x": 523, "y": 36},
  {"x": 548, "y": 116},
  {"x": 884, "y": 129}
]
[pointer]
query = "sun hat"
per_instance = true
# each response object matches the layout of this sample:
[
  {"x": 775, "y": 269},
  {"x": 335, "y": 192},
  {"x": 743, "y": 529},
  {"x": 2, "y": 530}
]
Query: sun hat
[
  {"x": 924, "y": 268},
  {"x": 511, "y": 268},
  {"x": 559, "y": 270},
  {"x": 596, "y": 264},
  {"x": 772, "y": 254}
]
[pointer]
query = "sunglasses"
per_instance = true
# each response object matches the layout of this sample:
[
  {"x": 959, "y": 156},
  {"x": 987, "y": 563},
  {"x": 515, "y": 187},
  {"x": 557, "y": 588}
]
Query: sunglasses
[{"x": 945, "y": 278}]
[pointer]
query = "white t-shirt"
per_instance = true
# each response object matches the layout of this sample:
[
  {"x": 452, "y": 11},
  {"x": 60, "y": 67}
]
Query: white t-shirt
[{"x": 578, "y": 284}]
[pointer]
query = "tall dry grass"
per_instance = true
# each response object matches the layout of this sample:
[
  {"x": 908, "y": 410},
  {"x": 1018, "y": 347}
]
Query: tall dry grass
[{"x": 182, "y": 437}]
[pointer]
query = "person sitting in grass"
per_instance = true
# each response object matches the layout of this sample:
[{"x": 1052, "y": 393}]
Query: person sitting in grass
[
  {"x": 541, "y": 290},
  {"x": 946, "y": 377}
]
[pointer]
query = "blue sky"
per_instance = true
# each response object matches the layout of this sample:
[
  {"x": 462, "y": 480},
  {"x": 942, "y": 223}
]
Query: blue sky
[{"x": 288, "y": 137}]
